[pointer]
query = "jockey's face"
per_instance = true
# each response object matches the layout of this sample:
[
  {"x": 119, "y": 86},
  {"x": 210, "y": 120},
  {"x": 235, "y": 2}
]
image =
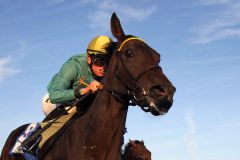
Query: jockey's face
[
  {"x": 99, "y": 71},
  {"x": 98, "y": 66}
]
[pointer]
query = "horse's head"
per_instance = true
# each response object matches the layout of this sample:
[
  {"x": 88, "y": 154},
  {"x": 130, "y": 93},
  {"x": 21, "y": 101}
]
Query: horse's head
[
  {"x": 136, "y": 150},
  {"x": 137, "y": 73}
]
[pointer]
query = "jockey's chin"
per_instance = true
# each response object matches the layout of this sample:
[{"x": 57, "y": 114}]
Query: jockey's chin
[{"x": 99, "y": 71}]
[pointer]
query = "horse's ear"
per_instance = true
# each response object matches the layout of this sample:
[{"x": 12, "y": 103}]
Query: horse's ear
[
  {"x": 116, "y": 27},
  {"x": 142, "y": 142},
  {"x": 132, "y": 143}
]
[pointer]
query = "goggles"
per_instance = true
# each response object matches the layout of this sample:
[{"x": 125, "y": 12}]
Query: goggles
[{"x": 100, "y": 61}]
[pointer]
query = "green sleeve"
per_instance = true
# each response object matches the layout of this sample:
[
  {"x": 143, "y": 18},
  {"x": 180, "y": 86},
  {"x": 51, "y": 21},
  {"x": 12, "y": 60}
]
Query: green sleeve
[{"x": 60, "y": 88}]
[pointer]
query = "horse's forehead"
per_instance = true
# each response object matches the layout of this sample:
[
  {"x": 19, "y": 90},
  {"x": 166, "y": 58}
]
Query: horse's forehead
[{"x": 140, "y": 46}]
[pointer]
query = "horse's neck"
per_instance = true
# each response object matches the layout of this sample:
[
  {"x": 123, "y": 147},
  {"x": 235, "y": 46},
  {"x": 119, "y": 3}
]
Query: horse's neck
[
  {"x": 107, "y": 112},
  {"x": 104, "y": 125}
]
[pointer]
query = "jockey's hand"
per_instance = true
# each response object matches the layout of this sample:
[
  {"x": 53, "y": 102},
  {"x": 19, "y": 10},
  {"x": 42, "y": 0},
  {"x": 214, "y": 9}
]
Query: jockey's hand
[{"x": 93, "y": 86}]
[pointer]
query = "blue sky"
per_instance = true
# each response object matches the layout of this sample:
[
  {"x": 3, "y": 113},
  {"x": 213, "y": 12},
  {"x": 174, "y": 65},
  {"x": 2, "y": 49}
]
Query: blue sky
[{"x": 199, "y": 45}]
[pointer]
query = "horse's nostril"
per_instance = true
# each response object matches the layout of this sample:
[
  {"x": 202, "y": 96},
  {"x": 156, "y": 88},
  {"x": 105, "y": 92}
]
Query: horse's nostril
[{"x": 157, "y": 91}]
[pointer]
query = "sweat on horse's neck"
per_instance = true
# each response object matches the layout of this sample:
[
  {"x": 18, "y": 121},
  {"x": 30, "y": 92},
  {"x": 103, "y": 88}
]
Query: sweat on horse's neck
[{"x": 101, "y": 129}]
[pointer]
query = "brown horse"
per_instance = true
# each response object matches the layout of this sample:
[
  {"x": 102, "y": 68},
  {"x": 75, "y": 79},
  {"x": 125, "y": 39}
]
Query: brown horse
[
  {"x": 133, "y": 75},
  {"x": 136, "y": 150}
]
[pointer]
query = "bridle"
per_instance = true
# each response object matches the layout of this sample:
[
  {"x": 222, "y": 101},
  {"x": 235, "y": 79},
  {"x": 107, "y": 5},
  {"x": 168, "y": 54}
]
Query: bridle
[{"x": 132, "y": 89}]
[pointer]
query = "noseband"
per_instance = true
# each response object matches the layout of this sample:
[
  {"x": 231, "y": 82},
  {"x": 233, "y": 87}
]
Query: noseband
[{"x": 131, "y": 87}]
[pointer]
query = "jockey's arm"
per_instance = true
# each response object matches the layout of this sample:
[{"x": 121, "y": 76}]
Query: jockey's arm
[{"x": 60, "y": 88}]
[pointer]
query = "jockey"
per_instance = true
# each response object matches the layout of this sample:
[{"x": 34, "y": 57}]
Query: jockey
[{"x": 78, "y": 75}]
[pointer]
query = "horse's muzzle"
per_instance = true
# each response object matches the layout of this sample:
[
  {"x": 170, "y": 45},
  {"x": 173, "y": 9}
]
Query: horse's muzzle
[{"x": 161, "y": 99}]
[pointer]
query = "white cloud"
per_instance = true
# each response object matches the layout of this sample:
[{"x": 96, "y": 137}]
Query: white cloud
[
  {"x": 190, "y": 137},
  {"x": 225, "y": 23},
  {"x": 99, "y": 18},
  {"x": 5, "y": 68},
  {"x": 139, "y": 13},
  {"x": 101, "y": 15},
  {"x": 218, "y": 35},
  {"x": 127, "y": 10}
]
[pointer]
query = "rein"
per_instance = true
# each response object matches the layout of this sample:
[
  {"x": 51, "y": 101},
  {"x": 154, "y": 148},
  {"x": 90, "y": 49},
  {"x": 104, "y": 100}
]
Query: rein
[
  {"x": 25, "y": 145},
  {"x": 132, "y": 88}
]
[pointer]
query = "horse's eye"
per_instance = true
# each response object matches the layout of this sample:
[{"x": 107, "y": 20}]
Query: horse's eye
[{"x": 129, "y": 53}]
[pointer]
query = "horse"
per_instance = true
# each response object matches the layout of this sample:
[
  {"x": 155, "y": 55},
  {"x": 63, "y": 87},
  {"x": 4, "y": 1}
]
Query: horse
[
  {"x": 136, "y": 150},
  {"x": 133, "y": 76}
]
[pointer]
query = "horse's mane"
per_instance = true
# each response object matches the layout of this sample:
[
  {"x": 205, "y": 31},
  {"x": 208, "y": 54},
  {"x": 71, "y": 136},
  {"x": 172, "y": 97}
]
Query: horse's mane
[{"x": 110, "y": 48}]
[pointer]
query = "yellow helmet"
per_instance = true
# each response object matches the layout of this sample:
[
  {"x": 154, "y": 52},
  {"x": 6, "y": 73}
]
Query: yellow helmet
[{"x": 98, "y": 45}]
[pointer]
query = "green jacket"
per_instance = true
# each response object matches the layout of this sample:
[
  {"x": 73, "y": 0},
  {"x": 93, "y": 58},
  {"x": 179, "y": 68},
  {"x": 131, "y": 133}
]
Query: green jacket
[{"x": 64, "y": 86}]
